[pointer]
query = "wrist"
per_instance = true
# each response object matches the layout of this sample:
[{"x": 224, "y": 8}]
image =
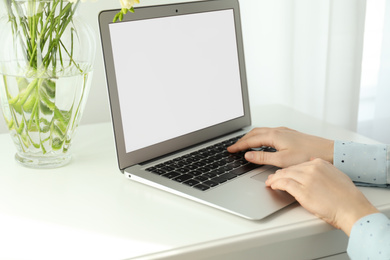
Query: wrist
[
  {"x": 326, "y": 150},
  {"x": 330, "y": 151},
  {"x": 355, "y": 212}
]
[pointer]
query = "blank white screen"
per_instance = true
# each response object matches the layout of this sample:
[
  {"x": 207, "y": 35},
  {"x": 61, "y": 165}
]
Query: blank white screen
[{"x": 176, "y": 75}]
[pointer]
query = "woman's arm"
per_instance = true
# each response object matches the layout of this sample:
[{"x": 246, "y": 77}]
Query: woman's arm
[
  {"x": 292, "y": 147},
  {"x": 324, "y": 191},
  {"x": 363, "y": 163},
  {"x": 322, "y": 188}
]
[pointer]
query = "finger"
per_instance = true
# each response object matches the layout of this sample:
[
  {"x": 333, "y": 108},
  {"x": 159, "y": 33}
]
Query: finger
[
  {"x": 280, "y": 158},
  {"x": 240, "y": 145},
  {"x": 255, "y": 132},
  {"x": 269, "y": 181},
  {"x": 289, "y": 185},
  {"x": 267, "y": 158},
  {"x": 251, "y": 141},
  {"x": 298, "y": 173},
  {"x": 258, "y": 137}
]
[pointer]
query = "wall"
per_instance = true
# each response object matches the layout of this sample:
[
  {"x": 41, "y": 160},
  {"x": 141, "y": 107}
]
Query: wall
[{"x": 263, "y": 52}]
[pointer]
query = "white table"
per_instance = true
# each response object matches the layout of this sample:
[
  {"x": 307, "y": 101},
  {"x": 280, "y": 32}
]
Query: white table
[{"x": 89, "y": 210}]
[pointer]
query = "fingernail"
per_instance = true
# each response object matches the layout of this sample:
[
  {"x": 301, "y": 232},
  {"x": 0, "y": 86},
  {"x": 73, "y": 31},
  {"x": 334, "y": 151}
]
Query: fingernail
[{"x": 249, "y": 156}]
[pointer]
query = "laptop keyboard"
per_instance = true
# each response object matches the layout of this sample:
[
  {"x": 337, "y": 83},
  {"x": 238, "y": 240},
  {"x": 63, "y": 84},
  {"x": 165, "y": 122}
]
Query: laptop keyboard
[{"x": 207, "y": 167}]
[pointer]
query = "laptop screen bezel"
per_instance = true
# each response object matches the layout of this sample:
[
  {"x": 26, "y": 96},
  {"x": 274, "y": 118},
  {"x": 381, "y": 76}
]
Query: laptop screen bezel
[{"x": 167, "y": 147}]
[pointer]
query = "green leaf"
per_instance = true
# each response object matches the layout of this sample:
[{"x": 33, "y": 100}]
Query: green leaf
[
  {"x": 26, "y": 94},
  {"x": 19, "y": 129},
  {"x": 10, "y": 124},
  {"x": 45, "y": 99},
  {"x": 44, "y": 108},
  {"x": 50, "y": 88},
  {"x": 62, "y": 116},
  {"x": 22, "y": 83},
  {"x": 17, "y": 107},
  {"x": 30, "y": 102},
  {"x": 116, "y": 17}
]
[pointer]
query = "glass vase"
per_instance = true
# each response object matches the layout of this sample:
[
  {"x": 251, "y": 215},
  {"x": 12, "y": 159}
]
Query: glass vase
[{"x": 46, "y": 58}]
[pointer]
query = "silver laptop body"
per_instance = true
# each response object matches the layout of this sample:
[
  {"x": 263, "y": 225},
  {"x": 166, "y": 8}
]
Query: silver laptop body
[{"x": 177, "y": 84}]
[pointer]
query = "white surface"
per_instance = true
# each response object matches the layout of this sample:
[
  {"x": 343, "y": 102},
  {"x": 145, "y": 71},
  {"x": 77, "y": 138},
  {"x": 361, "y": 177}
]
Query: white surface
[{"x": 88, "y": 210}]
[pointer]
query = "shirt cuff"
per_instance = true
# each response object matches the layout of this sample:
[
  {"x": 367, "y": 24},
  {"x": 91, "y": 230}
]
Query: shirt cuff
[
  {"x": 370, "y": 238},
  {"x": 363, "y": 163}
]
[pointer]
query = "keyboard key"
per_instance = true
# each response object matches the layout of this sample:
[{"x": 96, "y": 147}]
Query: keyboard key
[
  {"x": 183, "y": 170},
  {"x": 213, "y": 166},
  {"x": 159, "y": 172},
  {"x": 217, "y": 157},
  {"x": 265, "y": 149},
  {"x": 197, "y": 157},
  {"x": 210, "y": 175},
  {"x": 195, "y": 173},
  {"x": 160, "y": 165},
  {"x": 242, "y": 161},
  {"x": 183, "y": 178},
  {"x": 177, "y": 165},
  {"x": 227, "y": 168},
  {"x": 171, "y": 175},
  {"x": 219, "y": 171},
  {"x": 201, "y": 187},
  {"x": 220, "y": 163},
  {"x": 207, "y": 161},
  {"x": 203, "y": 170},
  {"x": 191, "y": 167},
  {"x": 219, "y": 180},
  {"x": 224, "y": 177},
  {"x": 190, "y": 160},
  {"x": 201, "y": 178},
  {"x": 210, "y": 183},
  {"x": 199, "y": 164},
  {"x": 191, "y": 182},
  {"x": 227, "y": 160},
  {"x": 207, "y": 167},
  {"x": 167, "y": 168},
  {"x": 244, "y": 169},
  {"x": 150, "y": 169}
]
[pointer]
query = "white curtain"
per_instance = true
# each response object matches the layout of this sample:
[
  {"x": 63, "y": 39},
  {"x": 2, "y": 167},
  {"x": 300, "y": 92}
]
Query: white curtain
[
  {"x": 307, "y": 55},
  {"x": 374, "y": 114}
]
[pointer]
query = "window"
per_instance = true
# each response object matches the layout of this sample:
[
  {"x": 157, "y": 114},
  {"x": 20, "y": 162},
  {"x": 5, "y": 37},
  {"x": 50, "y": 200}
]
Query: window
[{"x": 374, "y": 108}]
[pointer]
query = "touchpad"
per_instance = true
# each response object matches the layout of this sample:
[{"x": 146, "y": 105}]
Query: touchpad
[{"x": 263, "y": 176}]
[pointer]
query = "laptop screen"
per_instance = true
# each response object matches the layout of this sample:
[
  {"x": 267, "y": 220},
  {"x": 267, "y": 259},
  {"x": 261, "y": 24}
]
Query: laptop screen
[{"x": 176, "y": 75}]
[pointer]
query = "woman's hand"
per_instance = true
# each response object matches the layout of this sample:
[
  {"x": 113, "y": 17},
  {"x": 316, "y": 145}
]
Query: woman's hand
[
  {"x": 324, "y": 191},
  {"x": 292, "y": 147}
]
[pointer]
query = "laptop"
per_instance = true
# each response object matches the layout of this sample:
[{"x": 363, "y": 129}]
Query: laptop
[{"x": 178, "y": 95}]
